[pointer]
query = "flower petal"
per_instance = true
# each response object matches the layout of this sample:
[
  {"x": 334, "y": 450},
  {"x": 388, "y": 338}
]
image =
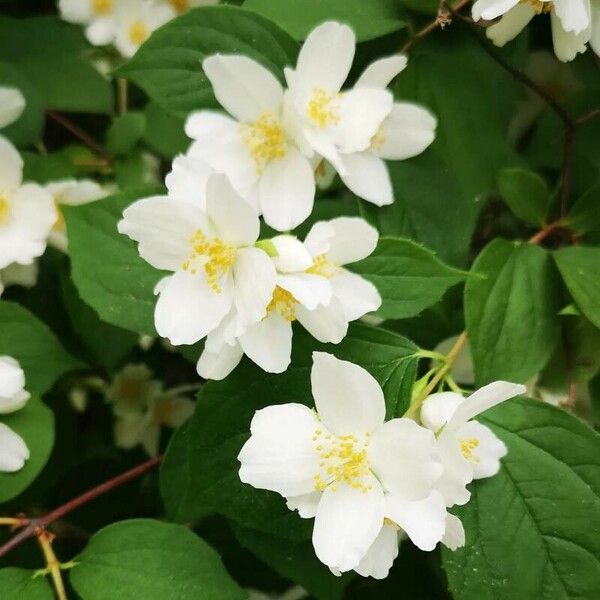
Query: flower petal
[
  {"x": 187, "y": 180},
  {"x": 328, "y": 324},
  {"x": 354, "y": 240},
  {"x": 356, "y": 295},
  {"x": 268, "y": 343},
  {"x": 488, "y": 452},
  {"x": 568, "y": 44},
  {"x": 490, "y": 9},
  {"x": 380, "y": 557},
  {"x": 217, "y": 365},
  {"x": 574, "y": 15},
  {"x": 13, "y": 450},
  {"x": 12, "y": 105},
  {"x": 11, "y": 166},
  {"x": 367, "y": 176},
  {"x": 424, "y": 521},
  {"x": 458, "y": 471},
  {"x": 242, "y": 86},
  {"x": 318, "y": 240},
  {"x": 454, "y": 536},
  {"x": 310, "y": 290},
  {"x": 12, "y": 377},
  {"x": 437, "y": 409},
  {"x": 511, "y": 24},
  {"x": 348, "y": 398},
  {"x": 381, "y": 72},
  {"x": 292, "y": 254},
  {"x": 346, "y": 524},
  {"x": 306, "y": 504},
  {"x": 286, "y": 191},
  {"x": 280, "y": 455},
  {"x": 405, "y": 458}
]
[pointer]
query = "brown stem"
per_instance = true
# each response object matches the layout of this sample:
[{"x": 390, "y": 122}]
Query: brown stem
[
  {"x": 543, "y": 233},
  {"x": 35, "y": 525},
  {"x": 593, "y": 114},
  {"x": 79, "y": 133}
]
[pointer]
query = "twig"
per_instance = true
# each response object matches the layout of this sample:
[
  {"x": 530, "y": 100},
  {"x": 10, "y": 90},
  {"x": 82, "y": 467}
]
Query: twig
[
  {"x": 593, "y": 114},
  {"x": 543, "y": 233},
  {"x": 79, "y": 133},
  {"x": 35, "y": 525},
  {"x": 121, "y": 95},
  {"x": 53, "y": 564}
]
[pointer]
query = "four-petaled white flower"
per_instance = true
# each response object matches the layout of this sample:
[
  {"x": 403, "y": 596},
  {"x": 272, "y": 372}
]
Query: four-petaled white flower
[
  {"x": 27, "y": 211},
  {"x": 312, "y": 287},
  {"x": 343, "y": 464},
  {"x": 211, "y": 254},
  {"x": 570, "y": 20},
  {"x": 469, "y": 450},
  {"x": 12, "y": 105},
  {"x": 97, "y": 15},
  {"x": 255, "y": 148},
  {"x": 13, "y": 450}
]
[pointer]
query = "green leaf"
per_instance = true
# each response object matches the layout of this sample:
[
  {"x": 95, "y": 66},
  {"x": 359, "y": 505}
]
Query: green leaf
[
  {"x": 29, "y": 341},
  {"x": 580, "y": 270},
  {"x": 106, "y": 267},
  {"x": 35, "y": 424},
  {"x": 142, "y": 558},
  {"x": 526, "y": 194},
  {"x": 125, "y": 132},
  {"x": 21, "y": 583},
  {"x": 585, "y": 214},
  {"x": 168, "y": 67},
  {"x": 200, "y": 471},
  {"x": 532, "y": 529},
  {"x": 164, "y": 132},
  {"x": 63, "y": 164},
  {"x": 27, "y": 129},
  {"x": 369, "y": 20},
  {"x": 51, "y": 53},
  {"x": 511, "y": 312},
  {"x": 408, "y": 276},
  {"x": 296, "y": 562}
]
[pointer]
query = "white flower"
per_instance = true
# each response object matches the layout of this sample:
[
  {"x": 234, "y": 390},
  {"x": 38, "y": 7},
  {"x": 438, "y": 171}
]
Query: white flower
[
  {"x": 570, "y": 20},
  {"x": 312, "y": 288},
  {"x": 255, "y": 148},
  {"x": 337, "y": 464},
  {"x": 182, "y": 6},
  {"x": 16, "y": 274},
  {"x": 469, "y": 450},
  {"x": 135, "y": 20},
  {"x": 12, "y": 105},
  {"x": 13, "y": 450},
  {"x": 595, "y": 32},
  {"x": 327, "y": 120},
  {"x": 27, "y": 211},
  {"x": 97, "y": 15},
  {"x": 70, "y": 192},
  {"x": 215, "y": 266},
  {"x": 406, "y": 132}
]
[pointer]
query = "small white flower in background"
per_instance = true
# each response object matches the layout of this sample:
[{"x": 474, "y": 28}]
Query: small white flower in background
[
  {"x": 312, "y": 287},
  {"x": 12, "y": 105},
  {"x": 142, "y": 407},
  {"x": 27, "y": 211},
  {"x": 406, "y": 132},
  {"x": 182, "y": 6},
  {"x": 469, "y": 450},
  {"x": 70, "y": 192},
  {"x": 327, "y": 120},
  {"x": 255, "y": 148},
  {"x": 570, "y": 21},
  {"x": 16, "y": 274},
  {"x": 212, "y": 256},
  {"x": 344, "y": 465},
  {"x": 135, "y": 20},
  {"x": 13, "y": 450},
  {"x": 97, "y": 15}
]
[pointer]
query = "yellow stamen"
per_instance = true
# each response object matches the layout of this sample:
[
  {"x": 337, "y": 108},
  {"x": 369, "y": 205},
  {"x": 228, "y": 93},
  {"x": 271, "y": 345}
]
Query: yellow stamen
[
  {"x": 180, "y": 5},
  {"x": 378, "y": 139},
  {"x": 265, "y": 140},
  {"x": 59, "y": 224},
  {"x": 467, "y": 447},
  {"x": 138, "y": 32},
  {"x": 322, "y": 109},
  {"x": 285, "y": 304},
  {"x": 102, "y": 7},
  {"x": 539, "y": 6},
  {"x": 214, "y": 256},
  {"x": 4, "y": 210},
  {"x": 322, "y": 266}
]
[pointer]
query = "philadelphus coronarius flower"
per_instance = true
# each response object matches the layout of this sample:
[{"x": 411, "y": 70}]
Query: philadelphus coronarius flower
[
  {"x": 12, "y": 105},
  {"x": 469, "y": 450},
  {"x": 312, "y": 287},
  {"x": 13, "y": 450},
  {"x": 27, "y": 211},
  {"x": 570, "y": 20},
  {"x": 215, "y": 265},
  {"x": 346, "y": 467}
]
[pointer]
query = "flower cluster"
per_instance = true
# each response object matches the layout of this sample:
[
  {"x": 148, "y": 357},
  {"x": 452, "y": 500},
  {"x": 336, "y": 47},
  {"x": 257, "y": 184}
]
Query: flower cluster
[
  {"x": 125, "y": 23},
  {"x": 13, "y": 450},
  {"x": 575, "y": 23},
  {"x": 243, "y": 293},
  {"x": 365, "y": 481}
]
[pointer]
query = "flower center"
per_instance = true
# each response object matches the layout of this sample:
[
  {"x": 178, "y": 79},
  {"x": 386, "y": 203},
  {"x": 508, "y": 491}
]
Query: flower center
[
  {"x": 59, "y": 224},
  {"x": 102, "y": 7},
  {"x": 284, "y": 303},
  {"x": 265, "y": 140},
  {"x": 180, "y": 5},
  {"x": 343, "y": 459},
  {"x": 214, "y": 256},
  {"x": 539, "y": 6},
  {"x": 467, "y": 447},
  {"x": 4, "y": 210},
  {"x": 322, "y": 266},
  {"x": 322, "y": 108},
  {"x": 378, "y": 139},
  {"x": 138, "y": 32}
]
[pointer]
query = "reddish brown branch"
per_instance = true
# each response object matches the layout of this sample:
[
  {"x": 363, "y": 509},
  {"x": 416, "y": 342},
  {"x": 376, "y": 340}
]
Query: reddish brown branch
[
  {"x": 35, "y": 526},
  {"x": 79, "y": 133}
]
